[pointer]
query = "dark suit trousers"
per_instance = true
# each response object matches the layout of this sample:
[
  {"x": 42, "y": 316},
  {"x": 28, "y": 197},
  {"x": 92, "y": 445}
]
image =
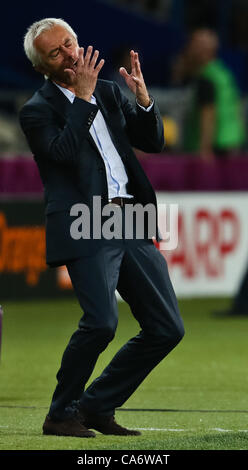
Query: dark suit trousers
[{"x": 139, "y": 272}]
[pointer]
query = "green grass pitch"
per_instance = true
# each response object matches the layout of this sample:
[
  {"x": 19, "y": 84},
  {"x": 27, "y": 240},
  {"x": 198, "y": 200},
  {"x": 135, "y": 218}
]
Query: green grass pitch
[{"x": 196, "y": 398}]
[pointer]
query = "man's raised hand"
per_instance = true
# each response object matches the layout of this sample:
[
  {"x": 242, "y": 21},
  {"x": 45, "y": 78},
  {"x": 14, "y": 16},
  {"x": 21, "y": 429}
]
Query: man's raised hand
[
  {"x": 84, "y": 73},
  {"x": 135, "y": 80}
]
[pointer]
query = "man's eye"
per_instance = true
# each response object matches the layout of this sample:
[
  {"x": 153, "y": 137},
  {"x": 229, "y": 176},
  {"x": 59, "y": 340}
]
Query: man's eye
[{"x": 55, "y": 54}]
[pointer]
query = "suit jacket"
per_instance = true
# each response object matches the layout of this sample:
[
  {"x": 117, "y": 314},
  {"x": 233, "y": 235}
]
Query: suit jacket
[{"x": 70, "y": 165}]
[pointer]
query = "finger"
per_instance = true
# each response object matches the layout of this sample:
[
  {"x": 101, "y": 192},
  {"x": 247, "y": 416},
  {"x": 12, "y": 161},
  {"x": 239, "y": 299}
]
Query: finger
[
  {"x": 88, "y": 55},
  {"x": 132, "y": 58},
  {"x": 136, "y": 70},
  {"x": 81, "y": 55},
  {"x": 94, "y": 58},
  {"x": 136, "y": 80},
  {"x": 123, "y": 72},
  {"x": 137, "y": 64},
  {"x": 100, "y": 65}
]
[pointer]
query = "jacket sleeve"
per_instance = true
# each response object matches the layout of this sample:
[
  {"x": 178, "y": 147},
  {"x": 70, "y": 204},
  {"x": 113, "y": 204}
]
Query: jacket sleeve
[
  {"x": 47, "y": 139},
  {"x": 144, "y": 128}
]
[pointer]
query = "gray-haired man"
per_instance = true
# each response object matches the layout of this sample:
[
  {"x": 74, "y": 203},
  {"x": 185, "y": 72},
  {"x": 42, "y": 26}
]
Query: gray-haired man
[{"x": 81, "y": 131}]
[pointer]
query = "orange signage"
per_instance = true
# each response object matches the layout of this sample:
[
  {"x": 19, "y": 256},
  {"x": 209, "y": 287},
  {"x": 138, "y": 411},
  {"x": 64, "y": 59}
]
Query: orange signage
[{"x": 22, "y": 250}]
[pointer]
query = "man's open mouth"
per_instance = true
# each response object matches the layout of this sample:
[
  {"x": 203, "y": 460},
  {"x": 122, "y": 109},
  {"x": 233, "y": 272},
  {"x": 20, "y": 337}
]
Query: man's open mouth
[{"x": 74, "y": 65}]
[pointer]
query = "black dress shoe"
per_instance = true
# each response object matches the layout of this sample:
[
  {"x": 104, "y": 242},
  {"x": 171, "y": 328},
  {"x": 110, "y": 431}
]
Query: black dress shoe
[
  {"x": 105, "y": 425},
  {"x": 70, "y": 427}
]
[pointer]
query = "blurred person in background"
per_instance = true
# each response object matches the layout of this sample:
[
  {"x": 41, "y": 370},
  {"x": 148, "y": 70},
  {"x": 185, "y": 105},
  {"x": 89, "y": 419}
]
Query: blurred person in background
[
  {"x": 11, "y": 137},
  {"x": 214, "y": 125},
  {"x": 239, "y": 305},
  {"x": 81, "y": 131}
]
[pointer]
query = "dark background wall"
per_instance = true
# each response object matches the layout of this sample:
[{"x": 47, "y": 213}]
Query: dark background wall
[
  {"x": 103, "y": 25},
  {"x": 108, "y": 25}
]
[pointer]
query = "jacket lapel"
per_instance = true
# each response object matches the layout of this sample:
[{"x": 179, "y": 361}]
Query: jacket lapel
[
  {"x": 60, "y": 103},
  {"x": 56, "y": 98}
]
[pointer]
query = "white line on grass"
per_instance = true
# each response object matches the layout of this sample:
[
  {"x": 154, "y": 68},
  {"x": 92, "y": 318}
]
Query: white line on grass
[
  {"x": 221, "y": 430},
  {"x": 191, "y": 430}
]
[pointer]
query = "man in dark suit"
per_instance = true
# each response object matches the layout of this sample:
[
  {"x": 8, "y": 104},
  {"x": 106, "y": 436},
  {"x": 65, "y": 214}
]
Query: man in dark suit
[{"x": 81, "y": 131}]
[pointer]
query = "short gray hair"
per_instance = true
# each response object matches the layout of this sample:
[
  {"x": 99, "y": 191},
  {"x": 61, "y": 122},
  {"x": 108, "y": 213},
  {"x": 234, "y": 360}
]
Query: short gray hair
[{"x": 35, "y": 30}]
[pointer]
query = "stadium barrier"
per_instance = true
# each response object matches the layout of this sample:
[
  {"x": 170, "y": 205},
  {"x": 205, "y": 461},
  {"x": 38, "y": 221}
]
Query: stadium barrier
[
  {"x": 210, "y": 257},
  {"x": 19, "y": 173}
]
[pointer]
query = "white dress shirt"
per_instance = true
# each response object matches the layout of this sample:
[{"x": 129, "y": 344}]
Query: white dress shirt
[{"x": 115, "y": 171}]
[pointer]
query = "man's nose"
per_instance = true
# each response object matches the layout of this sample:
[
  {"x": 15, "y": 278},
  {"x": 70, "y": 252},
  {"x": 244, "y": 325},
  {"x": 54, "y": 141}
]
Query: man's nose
[{"x": 66, "y": 52}]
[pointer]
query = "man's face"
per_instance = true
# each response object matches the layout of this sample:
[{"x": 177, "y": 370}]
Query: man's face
[
  {"x": 58, "y": 50},
  {"x": 202, "y": 47}
]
